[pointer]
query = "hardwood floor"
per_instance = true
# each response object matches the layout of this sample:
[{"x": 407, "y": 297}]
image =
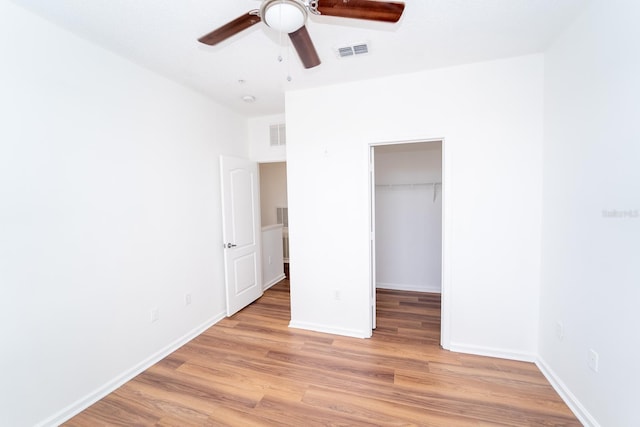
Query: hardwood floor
[{"x": 252, "y": 369}]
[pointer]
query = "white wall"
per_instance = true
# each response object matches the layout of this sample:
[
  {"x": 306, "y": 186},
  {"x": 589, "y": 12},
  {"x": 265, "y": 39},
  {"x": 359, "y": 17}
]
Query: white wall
[
  {"x": 590, "y": 261},
  {"x": 409, "y": 216},
  {"x": 273, "y": 190},
  {"x": 109, "y": 207},
  {"x": 491, "y": 118},
  {"x": 260, "y": 149}
]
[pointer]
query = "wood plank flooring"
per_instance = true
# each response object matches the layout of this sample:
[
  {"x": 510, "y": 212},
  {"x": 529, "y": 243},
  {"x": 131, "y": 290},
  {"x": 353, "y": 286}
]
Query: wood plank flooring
[{"x": 253, "y": 370}]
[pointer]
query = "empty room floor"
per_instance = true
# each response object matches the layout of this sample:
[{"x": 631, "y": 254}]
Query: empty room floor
[{"x": 252, "y": 369}]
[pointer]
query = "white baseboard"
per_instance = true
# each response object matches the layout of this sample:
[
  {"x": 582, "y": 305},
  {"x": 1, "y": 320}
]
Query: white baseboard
[
  {"x": 82, "y": 404},
  {"x": 436, "y": 289},
  {"x": 492, "y": 352},
  {"x": 273, "y": 281},
  {"x": 569, "y": 398},
  {"x": 330, "y": 329}
]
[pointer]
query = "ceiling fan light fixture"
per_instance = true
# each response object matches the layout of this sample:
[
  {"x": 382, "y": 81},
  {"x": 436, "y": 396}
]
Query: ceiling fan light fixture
[{"x": 285, "y": 16}]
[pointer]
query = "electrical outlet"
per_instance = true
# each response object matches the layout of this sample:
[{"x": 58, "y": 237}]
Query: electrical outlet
[
  {"x": 155, "y": 314},
  {"x": 187, "y": 299},
  {"x": 269, "y": 259},
  {"x": 593, "y": 359},
  {"x": 336, "y": 295},
  {"x": 560, "y": 331}
]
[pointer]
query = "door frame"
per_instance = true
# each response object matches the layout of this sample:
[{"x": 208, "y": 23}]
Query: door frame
[{"x": 445, "y": 313}]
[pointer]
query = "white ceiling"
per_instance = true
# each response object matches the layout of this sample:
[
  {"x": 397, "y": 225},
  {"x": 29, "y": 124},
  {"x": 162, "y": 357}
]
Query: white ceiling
[{"x": 162, "y": 35}]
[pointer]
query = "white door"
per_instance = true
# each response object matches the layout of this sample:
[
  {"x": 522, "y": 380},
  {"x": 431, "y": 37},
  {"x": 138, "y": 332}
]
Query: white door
[{"x": 241, "y": 232}]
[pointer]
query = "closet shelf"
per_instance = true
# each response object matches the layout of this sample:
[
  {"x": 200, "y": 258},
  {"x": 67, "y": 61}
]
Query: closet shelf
[
  {"x": 417, "y": 184},
  {"x": 434, "y": 185}
]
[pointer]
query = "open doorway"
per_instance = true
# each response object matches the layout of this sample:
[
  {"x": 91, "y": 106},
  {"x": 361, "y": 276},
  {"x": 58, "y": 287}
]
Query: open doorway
[
  {"x": 406, "y": 218},
  {"x": 275, "y": 222}
]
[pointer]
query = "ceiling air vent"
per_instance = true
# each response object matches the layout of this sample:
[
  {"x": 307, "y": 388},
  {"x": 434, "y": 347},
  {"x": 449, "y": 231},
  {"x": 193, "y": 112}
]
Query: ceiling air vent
[
  {"x": 345, "y": 51},
  {"x": 277, "y": 135},
  {"x": 356, "y": 49}
]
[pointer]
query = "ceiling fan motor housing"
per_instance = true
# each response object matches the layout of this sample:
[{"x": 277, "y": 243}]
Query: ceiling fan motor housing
[{"x": 286, "y": 16}]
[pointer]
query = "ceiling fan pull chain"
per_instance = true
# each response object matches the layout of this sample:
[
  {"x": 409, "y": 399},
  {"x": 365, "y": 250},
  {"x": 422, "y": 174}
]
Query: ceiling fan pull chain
[{"x": 280, "y": 59}]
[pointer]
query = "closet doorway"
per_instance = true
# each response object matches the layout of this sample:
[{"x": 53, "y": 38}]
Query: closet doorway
[{"x": 406, "y": 218}]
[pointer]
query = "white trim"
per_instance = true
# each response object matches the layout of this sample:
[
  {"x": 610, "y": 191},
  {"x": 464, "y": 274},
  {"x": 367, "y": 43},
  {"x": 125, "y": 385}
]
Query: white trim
[
  {"x": 435, "y": 289},
  {"x": 569, "y": 398},
  {"x": 274, "y": 281},
  {"x": 83, "y": 403},
  {"x": 373, "y": 268},
  {"x": 446, "y": 285},
  {"x": 330, "y": 329},
  {"x": 500, "y": 353}
]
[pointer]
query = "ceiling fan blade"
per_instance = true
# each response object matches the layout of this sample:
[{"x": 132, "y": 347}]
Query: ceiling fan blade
[
  {"x": 232, "y": 28},
  {"x": 305, "y": 48},
  {"x": 386, "y": 11}
]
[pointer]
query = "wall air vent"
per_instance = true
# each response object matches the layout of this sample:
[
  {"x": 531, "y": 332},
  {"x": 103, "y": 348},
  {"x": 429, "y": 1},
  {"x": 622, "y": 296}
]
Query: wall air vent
[
  {"x": 282, "y": 216},
  {"x": 277, "y": 135},
  {"x": 353, "y": 50}
]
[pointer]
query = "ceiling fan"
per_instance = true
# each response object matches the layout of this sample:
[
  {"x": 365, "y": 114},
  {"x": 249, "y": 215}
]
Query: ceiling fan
[{"x": 290, "y": 16}]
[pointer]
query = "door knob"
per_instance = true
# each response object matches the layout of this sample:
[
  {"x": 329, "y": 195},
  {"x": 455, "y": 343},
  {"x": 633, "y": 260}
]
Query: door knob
[{"x": 230, "y": 245}]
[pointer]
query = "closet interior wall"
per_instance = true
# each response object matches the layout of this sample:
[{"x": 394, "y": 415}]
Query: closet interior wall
[{"x": 408, "y": 216}]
